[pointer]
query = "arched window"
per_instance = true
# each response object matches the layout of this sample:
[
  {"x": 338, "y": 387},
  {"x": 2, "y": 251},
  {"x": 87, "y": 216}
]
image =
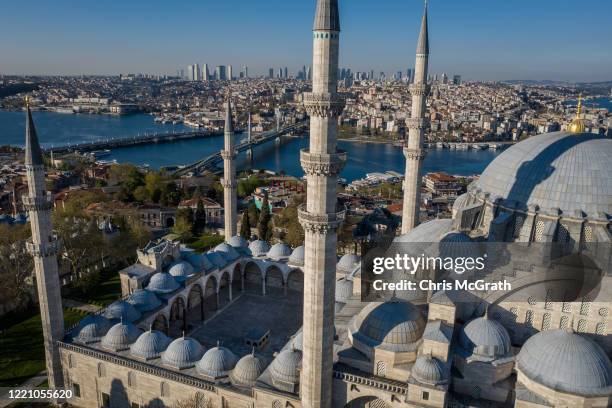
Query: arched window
[
  {"x": 529, "y": 318},
  {"x": 546, "y": 321},
  {"x": 601, "y": 328},
  {"x": 564, "y": 322},
  {"x": 582, "y": 325},
  {"x": 547, "y": 301},
  {"x": 566, "y": 307},
  {"x": 381, "y": 369},
  {"x": 71, "y": 362},
  {"x": 585, "y": 306},
  {"x": 131, "y": 379},
  {"x": 101, "y": 370},
  {"x": 277, "y": 404},
  {"x": 164, "y": 389}
]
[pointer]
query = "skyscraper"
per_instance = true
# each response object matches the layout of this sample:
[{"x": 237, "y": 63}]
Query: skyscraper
[
  {"x": 220, "y": 73},
  {"x": 44, "y": 247},
  {"x": 271, "y": 73},
  {"x": 190, "y": 75},
  {"x": 230, "y": 73},
  {"x": 320, "y": 216},
  {"x": 197, "y": 74},
  {"x": 457, "y": 80},
  {"x": 413, "y": 151},
  {"x": 286, "y": 73},
  {"x": 205, "y": 73},
  {"x": 245, "y": 70}
]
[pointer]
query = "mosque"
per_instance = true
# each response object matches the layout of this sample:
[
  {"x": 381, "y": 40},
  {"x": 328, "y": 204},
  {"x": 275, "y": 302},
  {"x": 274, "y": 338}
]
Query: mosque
[{"x": 253, "y": 325}]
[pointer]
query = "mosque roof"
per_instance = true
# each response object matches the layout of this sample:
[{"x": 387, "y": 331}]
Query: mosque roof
[
  {"x": 247, "y": 370},
  {"x": 259, "y": 247},
  {"x": 182, "y": 353},
  {"x": 122, "y": 310},
  {"x": 144, "y": 300},
  {"x": 120, "y": 336},
  {"x": 217, "y": 362},
  {"x": 150, "y": 345},
  {"x": 297, "y": 256},
  {"x": 162, "y": 282}
]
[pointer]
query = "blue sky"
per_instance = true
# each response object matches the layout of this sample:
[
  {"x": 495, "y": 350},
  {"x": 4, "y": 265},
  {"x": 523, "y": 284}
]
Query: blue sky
[{"x": 479, "y": 39}]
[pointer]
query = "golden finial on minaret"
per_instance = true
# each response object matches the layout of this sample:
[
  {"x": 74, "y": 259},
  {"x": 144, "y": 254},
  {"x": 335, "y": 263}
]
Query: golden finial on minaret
[
  {"x": 27, "y": 101},
  {"x": 577, "y": 125}
]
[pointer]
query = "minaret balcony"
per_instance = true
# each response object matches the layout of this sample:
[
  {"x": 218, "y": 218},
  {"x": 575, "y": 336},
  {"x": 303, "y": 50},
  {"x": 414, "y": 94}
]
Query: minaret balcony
[
  {"x": 323, "y": 105},
  {"x": 38, "y": 203},
  {"x": 46, "y": 249},
  {"x": 228, "y": 183},
  {"x": 318, "y": 164},
  {"x": 321, "y": 223},
  {"x": 416, "y": 123},
  {"x": 420, "y": 89}
]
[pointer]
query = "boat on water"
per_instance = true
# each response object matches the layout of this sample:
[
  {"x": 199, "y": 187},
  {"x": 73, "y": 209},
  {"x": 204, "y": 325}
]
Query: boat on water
[{"x": 100, "y": 153}]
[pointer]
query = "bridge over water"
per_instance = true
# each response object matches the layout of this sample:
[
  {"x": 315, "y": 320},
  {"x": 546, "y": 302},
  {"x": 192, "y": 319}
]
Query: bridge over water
[
  {"x": 131, "y": 141},
  {"x": 211, "y": 162}
]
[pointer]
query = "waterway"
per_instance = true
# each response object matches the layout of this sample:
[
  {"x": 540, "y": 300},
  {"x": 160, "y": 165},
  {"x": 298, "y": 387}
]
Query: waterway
[{"x": 59, "y": 129}]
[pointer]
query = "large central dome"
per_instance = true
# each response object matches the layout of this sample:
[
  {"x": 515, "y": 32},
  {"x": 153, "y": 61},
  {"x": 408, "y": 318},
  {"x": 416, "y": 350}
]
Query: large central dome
[{"x": 559, "y": 170}]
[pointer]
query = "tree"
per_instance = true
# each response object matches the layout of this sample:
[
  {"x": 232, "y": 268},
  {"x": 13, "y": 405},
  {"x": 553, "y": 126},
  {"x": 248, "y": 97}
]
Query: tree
[
  {"x": 199, "y": 223},
  {"x": 245, "y": 225},
  {"x": 183, "y": 226},
  {"x": 15, "y": 266},
  {"x": 264, "y": 229},
  {"x": 198, "y": 400},
  {"x": 288, "y": 221}
]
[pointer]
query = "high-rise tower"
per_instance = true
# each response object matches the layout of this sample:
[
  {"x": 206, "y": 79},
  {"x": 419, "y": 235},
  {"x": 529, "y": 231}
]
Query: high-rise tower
[
  {"x": 229, "y": 175},
  {"x": 44, "y": 246},
  {"x": 413, "y": 150},
  {"x": 320, "y": 217}
]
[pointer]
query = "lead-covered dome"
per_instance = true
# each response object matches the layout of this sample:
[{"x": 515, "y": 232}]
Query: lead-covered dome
[
  {"x": 238, "y": 242},
  {"x": 122, "y": 310},
  {"x": 228, "y": 251},
  {"x": 91, "y": 329},
  {"x": 216, "y": 363},
  {"x": 566, "y": 362},
  {"x": 120, "y": 336},
  {"x": 182, "y": 353},
  {"x": 259, "y": 247},
  {"x": 144, "y": 300},
  {"x": 285, "y": 370},
  {"x": 297, "y": 256},
  {"x": 429, "y": 370},
  {"x": 162, "y": 282},
  {"x": 485, "y": 338},
  {"x": 279, "y": 251},
  {"x": 246, "y": 372},
  {"x": 348, "y": 263},
  {"x": 181, "y": 270},
  {"x": 559, "y": 170},
  {"x": 395, "y": 326},
  {"x": 150, "y": 345}
]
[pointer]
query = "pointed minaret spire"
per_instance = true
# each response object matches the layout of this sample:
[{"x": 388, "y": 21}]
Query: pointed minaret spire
[
  {"x": 44, "y": 247},
  {"x": 413, "y": 148},
  {"x": 33, "y": 153},
  {"x": 229, "y": 175},
  {"x": 327, "y": 17},
  {"x": 423, "y": 44}
]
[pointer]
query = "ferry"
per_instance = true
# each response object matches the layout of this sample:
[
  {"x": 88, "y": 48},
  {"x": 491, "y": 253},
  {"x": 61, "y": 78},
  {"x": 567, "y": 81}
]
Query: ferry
[{"x": 100, "y": 153}]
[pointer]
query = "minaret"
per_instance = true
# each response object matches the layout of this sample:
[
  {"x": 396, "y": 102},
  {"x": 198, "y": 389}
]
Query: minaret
[
  {"x": 44, "y": 246},
  {"x": 229, "y": 175},
  {"x": 321, "y": 217},
  {"x": 413, "y": 150}
]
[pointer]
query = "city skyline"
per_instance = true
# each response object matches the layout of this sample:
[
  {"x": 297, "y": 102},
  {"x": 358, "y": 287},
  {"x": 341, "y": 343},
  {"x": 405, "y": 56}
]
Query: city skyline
[{"x": 479, "y": 40}]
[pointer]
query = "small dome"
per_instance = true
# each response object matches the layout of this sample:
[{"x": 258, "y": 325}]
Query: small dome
[
  {"x": 122, "y": 310},
  {"x": 279, "y": 251},
  {"x": 259, "y": 247},
  {"x": 566, "y": 362},
  {"x": 120, "y": 336},
  {"x": 285, "y": 370},
  {"x": 144, "y": 300},
  {"x": 228, "y": 251},
  {"x": 238, "y": 242},
  {"x": 199, "y": 261},
  {"x": 217, "y": 259},
  {"x": 486, "y": 338},
  {"x": 181, "y": 270},
  {"x": 182, "y": 353},
  {"x": 460, "y": 202},
  {"x": 162, "y": 282},
  {"x": 217, "y": 362},
  {"x": 348, "y": 263},
  {"x": 297, "y": 256},
  {"x": 92, "y": 328},
  {"x": 344, "y": 289},
  {"x": 150, "y": 345},
  {"x": 429, "y": 370},
  {"x": 395, "y": 326},
  {"x": 248, "y": 369}
]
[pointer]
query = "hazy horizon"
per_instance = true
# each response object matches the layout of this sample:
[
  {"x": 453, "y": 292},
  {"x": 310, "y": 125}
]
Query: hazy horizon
[{"x": 477, "y": 39}]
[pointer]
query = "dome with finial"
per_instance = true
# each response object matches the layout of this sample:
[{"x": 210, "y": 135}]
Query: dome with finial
[
  {"x": 150, "y": 345},
  {"x": 144, "y": 300},
  {"x": 181, "y": 270},
  {"x": 92, "y": 328},
  {"x": 216, "y": 363},
  {"x": 297, "y": 256},
  {"x": 566, "y": 362},
  {"x": 577, "y": 125},
  {"x": 485, "y": 338},
  {"x": 259, "y": 247},
  {"x": 396, "y": 326},
  {"x": 162, "y": 282},
  {"x": 182, "y": 353},
  {"x": 238, "y": 241},
  {"x": 228, "y": 251},
  {"x": 120, "y": 336},
  {"x": 122, "y": 310},
  {"x": 429, "y": 370},
  {"x": 248, "y": 369},
  {"x": 285, "y": 369}
]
